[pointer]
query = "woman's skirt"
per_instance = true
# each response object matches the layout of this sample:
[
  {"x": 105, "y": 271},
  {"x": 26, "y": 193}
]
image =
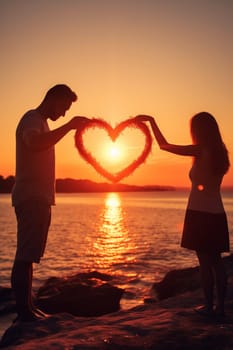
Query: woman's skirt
[{"x": 206, "y": 232}]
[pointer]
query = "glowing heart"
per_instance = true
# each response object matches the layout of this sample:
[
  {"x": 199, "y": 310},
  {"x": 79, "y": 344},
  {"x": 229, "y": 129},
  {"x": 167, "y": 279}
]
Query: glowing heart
[{"x": 113, "y": 133}]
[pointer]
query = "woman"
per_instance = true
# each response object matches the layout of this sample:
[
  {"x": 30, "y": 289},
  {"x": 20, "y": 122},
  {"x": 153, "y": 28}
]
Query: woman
[{"x": 205, "y": 225}]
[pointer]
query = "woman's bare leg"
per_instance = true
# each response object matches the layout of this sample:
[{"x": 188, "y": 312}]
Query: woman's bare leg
[{"x": 207, "y": 279}]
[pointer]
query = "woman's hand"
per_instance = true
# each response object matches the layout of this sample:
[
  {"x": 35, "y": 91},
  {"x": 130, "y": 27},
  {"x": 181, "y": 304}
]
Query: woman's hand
[{"x": 144, "y": 118}]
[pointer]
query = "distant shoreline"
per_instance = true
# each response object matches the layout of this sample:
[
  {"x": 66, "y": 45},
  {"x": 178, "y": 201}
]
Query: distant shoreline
[
  {"x": 69, "y": 185},
  {"x": 77, "y": 186}
]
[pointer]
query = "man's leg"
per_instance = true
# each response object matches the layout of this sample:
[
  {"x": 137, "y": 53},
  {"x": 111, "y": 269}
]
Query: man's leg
[
  {"x": 21, "y": 281},
  {"x": 33, "y": 218}
]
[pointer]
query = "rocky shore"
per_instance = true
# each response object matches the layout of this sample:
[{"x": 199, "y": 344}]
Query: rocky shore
[{"x": 169, "y": 322}]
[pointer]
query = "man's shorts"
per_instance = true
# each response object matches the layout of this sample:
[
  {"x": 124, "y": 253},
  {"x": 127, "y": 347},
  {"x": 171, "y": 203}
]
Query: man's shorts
[{"x": 33, "y": 219}]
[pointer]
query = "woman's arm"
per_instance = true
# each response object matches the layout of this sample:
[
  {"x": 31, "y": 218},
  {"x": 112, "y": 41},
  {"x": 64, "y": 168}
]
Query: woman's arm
[{"x": 189, "y": 150}]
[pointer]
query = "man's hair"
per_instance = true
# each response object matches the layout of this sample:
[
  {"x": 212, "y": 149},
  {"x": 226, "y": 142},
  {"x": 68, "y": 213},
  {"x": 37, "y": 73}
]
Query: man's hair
[{"x": 61, "y": 91}]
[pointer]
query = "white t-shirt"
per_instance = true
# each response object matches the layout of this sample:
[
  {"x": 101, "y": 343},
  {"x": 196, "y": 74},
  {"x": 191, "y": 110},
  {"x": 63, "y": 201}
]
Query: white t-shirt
[{"x": 35, "y": 170}]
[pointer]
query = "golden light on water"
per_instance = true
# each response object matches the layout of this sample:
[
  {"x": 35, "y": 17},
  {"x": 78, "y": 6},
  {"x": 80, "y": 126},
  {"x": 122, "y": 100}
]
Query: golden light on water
[
  {"x": 112, "y": 201},
  {"x": 113, "y": 244}
]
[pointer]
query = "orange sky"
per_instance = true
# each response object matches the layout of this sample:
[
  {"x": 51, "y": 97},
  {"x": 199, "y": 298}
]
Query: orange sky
[{"x": 170, "y": 59}]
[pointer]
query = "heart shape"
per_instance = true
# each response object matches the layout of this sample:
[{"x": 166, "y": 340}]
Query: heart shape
[{"x": 113, "y": 133}]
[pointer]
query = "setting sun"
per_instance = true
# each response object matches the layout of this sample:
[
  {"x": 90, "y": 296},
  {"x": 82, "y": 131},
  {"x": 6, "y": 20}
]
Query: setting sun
[{"x": 114, "y": 153}]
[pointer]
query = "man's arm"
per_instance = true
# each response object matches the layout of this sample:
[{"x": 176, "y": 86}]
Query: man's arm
[{"x": 41, "y": 141}]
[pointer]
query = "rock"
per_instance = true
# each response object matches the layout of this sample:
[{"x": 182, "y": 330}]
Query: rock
[
  {"x": 7, "y": 302},
  {"x": 5, "y": 293},
  {"x": 177, "y": 282},
  {"x": 168, "y": 324},
  {"x": 180, "y": 281},
  {"x": 85, "y": 294}
]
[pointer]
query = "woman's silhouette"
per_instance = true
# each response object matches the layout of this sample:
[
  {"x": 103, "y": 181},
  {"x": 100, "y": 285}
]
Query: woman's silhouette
[{"x": 205, "y": 225}]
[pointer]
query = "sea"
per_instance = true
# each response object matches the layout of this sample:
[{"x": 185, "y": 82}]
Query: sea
[{"x": 132, "y": 236}]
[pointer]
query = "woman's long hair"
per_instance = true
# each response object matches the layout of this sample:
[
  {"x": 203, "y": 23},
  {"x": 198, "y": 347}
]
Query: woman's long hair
[{"x": 205, "y": 132}]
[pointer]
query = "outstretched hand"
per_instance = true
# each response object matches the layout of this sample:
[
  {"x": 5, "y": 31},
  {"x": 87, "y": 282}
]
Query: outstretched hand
[
  {"x": 144, "y": 118},
  {"x": 79, "y": 122}
]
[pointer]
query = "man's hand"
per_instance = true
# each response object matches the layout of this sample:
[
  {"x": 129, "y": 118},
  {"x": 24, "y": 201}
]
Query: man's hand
[{"x": 78, "y": 122}]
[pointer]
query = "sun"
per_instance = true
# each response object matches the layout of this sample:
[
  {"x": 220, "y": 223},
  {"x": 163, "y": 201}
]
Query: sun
[{"x": 114, "y": 153}]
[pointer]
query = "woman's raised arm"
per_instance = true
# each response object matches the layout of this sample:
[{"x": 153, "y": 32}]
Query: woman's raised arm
[{"x": 184, "y": 150}]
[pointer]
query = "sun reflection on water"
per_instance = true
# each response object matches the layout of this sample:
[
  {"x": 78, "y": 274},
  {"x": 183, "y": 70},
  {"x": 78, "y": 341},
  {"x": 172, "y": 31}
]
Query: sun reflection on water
[{"x": 113, "y": 245}]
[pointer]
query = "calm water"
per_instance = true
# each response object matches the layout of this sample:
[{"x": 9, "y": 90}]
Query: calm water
[{"x": 133, "y": 236}]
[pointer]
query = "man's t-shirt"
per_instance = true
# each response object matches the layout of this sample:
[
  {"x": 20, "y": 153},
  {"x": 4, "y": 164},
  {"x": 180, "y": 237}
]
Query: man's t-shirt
[{"x": 35, "y": 170}]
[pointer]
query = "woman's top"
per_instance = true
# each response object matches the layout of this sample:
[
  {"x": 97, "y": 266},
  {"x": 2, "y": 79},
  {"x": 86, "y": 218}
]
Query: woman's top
[{"x": 205, "y": 193}]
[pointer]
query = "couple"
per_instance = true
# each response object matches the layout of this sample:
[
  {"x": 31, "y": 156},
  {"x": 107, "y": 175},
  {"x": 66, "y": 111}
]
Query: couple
[{"x": 205, "y": 226}]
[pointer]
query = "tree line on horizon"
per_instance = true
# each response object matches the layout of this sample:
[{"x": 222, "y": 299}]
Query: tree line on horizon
[
  {"x": 69, "y": 185},
  {"x": 6, "y": 184}
]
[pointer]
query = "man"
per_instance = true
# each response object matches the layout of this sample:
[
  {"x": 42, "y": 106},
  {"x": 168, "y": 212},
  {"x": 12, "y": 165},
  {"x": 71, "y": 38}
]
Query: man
[{"x": 34, "y": 190}]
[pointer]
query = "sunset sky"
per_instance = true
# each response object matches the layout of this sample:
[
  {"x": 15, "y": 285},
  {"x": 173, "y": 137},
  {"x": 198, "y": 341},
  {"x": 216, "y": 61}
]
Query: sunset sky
[{"x": 167, "y": 58}]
